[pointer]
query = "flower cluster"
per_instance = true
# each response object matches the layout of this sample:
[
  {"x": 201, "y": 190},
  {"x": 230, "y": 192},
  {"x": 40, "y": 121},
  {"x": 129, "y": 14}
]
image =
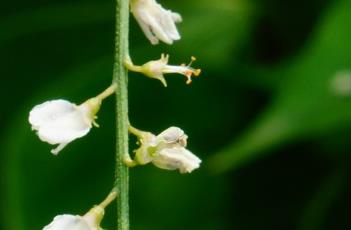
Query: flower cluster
[{"x": 59, "y": 122}]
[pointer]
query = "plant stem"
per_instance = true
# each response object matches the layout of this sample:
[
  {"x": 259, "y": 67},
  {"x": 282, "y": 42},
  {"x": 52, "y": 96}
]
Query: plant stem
[{"x": 120, "y": 76}]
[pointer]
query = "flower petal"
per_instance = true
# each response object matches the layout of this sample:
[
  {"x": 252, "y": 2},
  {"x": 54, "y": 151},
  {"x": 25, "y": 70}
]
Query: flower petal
[
  {"x": 156, "y": 22},
  {"x": 68, "y": 222},
  {"x": 176, "y": 158},
  {"x": 141, "y": 17},
  {"x": 59, "y": 122},
  {"x": 168, "y": 24},
  {"x": 48, "y": 111},
  {"x": 173, "y": 136}
]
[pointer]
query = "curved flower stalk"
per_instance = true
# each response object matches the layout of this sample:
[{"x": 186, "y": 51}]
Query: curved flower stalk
[
  {"x": 156, "y": 22},
  {"x": 60, "y": 121},
  {"x": 166, "y": 150},
  {"x": 90, "y": 221},
  {"x": 156, "y": 69}
]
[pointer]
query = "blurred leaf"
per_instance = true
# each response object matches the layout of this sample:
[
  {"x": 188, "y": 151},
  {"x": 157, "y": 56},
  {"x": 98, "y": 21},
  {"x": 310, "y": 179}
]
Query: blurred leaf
[
  {"x": 216, "y": 32},
  {"x": 307, "y": 104},
  {"x": 314, "y": 215},
  {"x": 60, "y": 16}
]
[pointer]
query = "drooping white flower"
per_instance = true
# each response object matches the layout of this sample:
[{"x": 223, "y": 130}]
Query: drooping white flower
[
  {"x": 156, "y": 22},
  {"x": 166, "y": 150},
  {"x": 156, "y": 69},
  {"x": 60, "y": 121},
  {"x": 69, "y": 222},
  {"x": 90, "y": 221}
]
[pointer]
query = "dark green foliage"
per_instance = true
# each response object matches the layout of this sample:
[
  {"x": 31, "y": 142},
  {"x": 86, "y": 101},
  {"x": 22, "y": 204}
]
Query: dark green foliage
[{"x": 273, "y": 135}]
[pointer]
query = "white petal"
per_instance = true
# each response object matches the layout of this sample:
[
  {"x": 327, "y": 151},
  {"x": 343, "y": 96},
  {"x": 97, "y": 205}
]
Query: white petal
[
  {"x": 155, "y": 21},
  {"x": 173, "y": 137},
  {"x": 59, "y": 122},
  {"x": 171, "y": 134},
  {"x": 142, "y": 21},
  {"x": 48, "y": 111},
  {"x": 166, "y": 20},
  {"x": 175, "y": 69},
  {"x": 157, "y": 28},
  {"x": 177, "y": 158},
  {"x": 68, "y": 222},
  {"x": 176, "y": 17},
  {"x": 169, "y": 26}
]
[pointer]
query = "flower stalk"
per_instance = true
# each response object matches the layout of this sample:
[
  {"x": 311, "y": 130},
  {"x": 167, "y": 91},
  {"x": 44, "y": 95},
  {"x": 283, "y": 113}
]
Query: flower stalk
[
  {"x": 120, "y": 76},
  {"x": 107, "y": 92}
]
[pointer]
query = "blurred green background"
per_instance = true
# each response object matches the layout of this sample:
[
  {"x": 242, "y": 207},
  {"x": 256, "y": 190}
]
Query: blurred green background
[{"x": 270, "y": 116}]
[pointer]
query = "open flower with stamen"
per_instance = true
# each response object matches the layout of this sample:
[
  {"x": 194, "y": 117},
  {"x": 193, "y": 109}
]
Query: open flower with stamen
[
  {"x": 156, "y": 69},
  {"x": 90, "y": 221},
  {"x": 166, "y": 150},
  {"x": 156, "y": 22},
  {"x": 60, "y": 121}
]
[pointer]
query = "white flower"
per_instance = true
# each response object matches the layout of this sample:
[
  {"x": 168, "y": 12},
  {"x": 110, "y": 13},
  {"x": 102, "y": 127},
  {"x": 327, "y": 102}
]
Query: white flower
[
  {"x": 90, "y": 221},
  {"x": 69, "y": 222},
  {"x": 156, "y": 69},
  {"x": 166, "y": 150},
  {"x": 60, "y": 121},
  {"x": 156, "y": 22}
]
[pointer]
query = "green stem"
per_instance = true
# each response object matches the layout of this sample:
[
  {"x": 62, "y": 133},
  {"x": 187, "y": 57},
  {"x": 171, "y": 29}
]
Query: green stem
[{"x": 120, "y": 76}]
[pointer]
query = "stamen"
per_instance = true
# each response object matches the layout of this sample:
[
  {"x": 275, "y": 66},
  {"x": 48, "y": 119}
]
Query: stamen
[
  {"x": 188, "y": 73},
  {"x": 192, "y": 60},
  {"x": 197, "y": 72}
]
